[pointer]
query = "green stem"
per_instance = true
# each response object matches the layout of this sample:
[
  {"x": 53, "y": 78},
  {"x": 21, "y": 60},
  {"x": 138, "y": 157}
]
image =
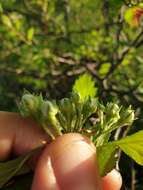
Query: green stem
[{"x": 48, "y": 131}]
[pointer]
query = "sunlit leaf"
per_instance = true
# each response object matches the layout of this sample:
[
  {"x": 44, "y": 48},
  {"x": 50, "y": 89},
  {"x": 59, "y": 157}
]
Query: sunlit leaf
[
  {"x": 85, "y": 86},
  {"x": 104, "y": 69},
  {"x": 133, "y": 16},
  {"x": 6, "y": 20},
  {"x": 106, "y": 158},
  {"x": 133, "y": 146},
  {"x": 30, "y": 33}
]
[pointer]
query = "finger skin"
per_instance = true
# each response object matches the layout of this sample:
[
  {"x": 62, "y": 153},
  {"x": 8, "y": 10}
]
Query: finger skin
[
  {"x": 112, "y": 181},
  {"x": 68, "y": 163},
  {"x": 19, "y": 135}
]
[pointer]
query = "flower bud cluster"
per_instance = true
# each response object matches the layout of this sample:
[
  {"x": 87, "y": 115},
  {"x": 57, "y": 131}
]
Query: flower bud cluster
[{"x": 72, "y": 115}]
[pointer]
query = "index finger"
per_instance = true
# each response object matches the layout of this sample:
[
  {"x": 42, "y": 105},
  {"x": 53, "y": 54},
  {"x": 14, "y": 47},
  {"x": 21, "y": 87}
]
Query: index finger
[{"x": 18, "y": 135}]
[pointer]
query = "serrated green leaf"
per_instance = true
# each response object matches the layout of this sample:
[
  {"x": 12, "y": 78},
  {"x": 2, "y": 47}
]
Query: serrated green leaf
[
  {"x": 106, "y": 158},
  {"x": 133, "y": 146},
  {"x": 85, "y": 86}
]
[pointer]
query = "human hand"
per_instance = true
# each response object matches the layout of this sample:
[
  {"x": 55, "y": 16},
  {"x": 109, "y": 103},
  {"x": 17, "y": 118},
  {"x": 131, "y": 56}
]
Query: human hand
[{"x": 67, "y": 163}]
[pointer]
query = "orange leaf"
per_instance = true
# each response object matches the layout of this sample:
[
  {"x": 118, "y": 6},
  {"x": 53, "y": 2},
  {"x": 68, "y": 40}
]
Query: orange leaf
[{"x": 133, "y": 16}]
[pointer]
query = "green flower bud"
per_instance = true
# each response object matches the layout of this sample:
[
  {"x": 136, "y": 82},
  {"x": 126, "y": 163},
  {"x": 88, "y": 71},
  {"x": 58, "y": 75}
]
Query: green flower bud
[
  {"x": 28, "y": 104},
  {"x": 89, "y": 107},
  {"x": 28, "y": 100},
  {"x": 49, "y": 109},
  {"x": 112, "y": 112},
  {"x": 66, "y": 106},
  {"x": 75, "y": 98},
  {"x": 127, "y": 116}
]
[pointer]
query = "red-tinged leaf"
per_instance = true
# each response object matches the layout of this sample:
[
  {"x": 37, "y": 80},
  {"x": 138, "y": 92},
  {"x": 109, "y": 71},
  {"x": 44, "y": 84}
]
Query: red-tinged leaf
[{"x": 133, "y": 16}]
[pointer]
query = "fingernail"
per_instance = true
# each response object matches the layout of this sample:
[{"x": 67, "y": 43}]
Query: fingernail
[{"x": 73, "y": 162}]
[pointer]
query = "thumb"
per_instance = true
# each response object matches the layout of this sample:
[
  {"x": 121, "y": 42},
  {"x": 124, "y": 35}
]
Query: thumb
[{"x": 67, "y": 163}]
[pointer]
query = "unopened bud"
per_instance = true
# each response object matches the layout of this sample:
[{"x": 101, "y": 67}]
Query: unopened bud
[
  {"x": 28, "y": 104},
  {"x": 75, "y": 97},
  {"x": 113, "y": 111},
  {"x": 66, "y": 106},
  {"x": 48, "y": 109},
  {"x": 128, "y": 116}
]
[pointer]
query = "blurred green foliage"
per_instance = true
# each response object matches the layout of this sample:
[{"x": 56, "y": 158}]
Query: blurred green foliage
[{"x": 46, "y": 44}]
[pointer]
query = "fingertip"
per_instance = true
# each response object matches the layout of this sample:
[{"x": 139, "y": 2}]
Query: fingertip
[
  {"x": 68, "y": 163},
  {"x": 112, "y": 180}
]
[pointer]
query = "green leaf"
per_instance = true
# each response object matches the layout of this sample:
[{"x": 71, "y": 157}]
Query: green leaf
[
  {"x": 85, "y": 86},
  {"x": 102, "y": 139},
  {"x": 133, "y": 15},
  {"x": 1, "y": 8},
  {"x": 133, "y": 146},
  {"x": 30, "y": 105},
  {"x": 129, "y": 16},
  {"x": 14, "y": 167},
  {"x": 6, "y": 21},
  {"x": 111, "y": 117},
  {"x": 104, "y": 69},
  {"x": 30, "y": 34},
  {"x": 106, "y": 158}
]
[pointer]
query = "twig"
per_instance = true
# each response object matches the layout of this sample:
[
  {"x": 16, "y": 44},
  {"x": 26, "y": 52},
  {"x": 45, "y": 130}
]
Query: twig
[
  {"x": 133, "y": 176},
  {"x": 135, "y": 43}
]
